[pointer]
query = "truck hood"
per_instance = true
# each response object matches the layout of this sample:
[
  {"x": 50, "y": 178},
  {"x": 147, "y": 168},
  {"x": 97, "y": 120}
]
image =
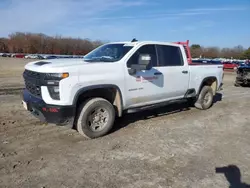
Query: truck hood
[
  {"x": 56, "y": 62},
  {"x": 73, "y": 66}
]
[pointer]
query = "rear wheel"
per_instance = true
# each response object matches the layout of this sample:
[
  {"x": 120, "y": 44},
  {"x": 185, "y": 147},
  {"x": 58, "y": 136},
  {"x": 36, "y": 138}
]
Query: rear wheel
[
  {"x": 205, "y": 99},
  {"x": 96, "y": 118}
]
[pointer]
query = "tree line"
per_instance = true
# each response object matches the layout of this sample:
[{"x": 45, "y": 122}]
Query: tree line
[
  {"x": 32, "y": 43},
  {"x": 238, "y": 52}
]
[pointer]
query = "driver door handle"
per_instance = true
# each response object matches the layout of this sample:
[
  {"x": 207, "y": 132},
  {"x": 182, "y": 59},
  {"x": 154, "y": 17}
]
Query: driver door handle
[
  {"x": 157, "y": 73},
  {"x": 184, "y": 72}
]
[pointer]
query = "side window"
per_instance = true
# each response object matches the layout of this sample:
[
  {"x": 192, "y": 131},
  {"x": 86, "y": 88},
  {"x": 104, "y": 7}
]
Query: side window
[
  {"x": 146, "y": 49},
  {"x": 169, "y": 56}
]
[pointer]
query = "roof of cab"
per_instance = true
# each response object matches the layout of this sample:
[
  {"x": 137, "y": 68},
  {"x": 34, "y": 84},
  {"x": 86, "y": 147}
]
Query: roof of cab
[{"x": 128, "y": 43}]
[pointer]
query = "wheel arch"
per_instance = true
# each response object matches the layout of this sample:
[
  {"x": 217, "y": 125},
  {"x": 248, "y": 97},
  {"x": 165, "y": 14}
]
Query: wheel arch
[
  {"x": 211, "y": 81},
  {"x": 110, "y": 92}
]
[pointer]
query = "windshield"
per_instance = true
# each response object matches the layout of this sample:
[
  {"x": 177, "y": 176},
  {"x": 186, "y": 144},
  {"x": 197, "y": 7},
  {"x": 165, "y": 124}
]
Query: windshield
[{"x": 108, "y": 53}]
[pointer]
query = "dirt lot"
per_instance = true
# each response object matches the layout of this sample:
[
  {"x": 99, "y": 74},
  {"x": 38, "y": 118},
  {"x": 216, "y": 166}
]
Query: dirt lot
[
  {"x": 11, "y": 72},
  {"x": 171, "y": 147}
]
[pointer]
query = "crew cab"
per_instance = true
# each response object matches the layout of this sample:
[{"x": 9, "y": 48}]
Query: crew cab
[{"x": 117, "y": 78}]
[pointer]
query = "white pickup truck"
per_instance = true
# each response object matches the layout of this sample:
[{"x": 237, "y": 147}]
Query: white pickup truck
[{"x": 114, "y": 79}]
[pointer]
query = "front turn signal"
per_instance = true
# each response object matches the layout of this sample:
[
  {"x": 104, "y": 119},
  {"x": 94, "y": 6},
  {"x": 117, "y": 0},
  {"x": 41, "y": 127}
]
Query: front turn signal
[{"x": 65, "y": 75}]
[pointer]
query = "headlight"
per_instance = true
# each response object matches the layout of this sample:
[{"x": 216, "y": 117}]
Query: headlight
[
  {"x": 54, "y": 92},
  {"x": 52, "y": 81},
  {"x": 56, "y": 76}
]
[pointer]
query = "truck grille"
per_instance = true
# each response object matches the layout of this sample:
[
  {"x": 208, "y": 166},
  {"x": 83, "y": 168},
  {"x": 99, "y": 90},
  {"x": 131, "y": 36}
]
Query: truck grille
[
  {"x": 33, "y": 81},
  {"x": 33, "y": 88}
]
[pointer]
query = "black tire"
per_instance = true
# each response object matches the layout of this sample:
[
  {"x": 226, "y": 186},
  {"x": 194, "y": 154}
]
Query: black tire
[
  {"x": 93, "y": 105},
  {"x": 205, "y": 99}
]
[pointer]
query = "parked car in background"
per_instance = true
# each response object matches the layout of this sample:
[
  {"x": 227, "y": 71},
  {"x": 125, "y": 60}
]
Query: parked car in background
[
  {"x": 201, "y": 61},
  {"x": 5, "y": 55},
  {"x": 29, "y": 56},
  {"x": 19, "y": 55},
  {"x": 51, "y": 57},
  {"x": 33, "y": 56},
  {"x": 230, "y": 65}
]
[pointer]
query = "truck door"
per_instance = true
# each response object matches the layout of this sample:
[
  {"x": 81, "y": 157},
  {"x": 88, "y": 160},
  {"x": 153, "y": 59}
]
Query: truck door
[
  {"x": 147, "y": 86},
  {"x": 175, "y": 70}
]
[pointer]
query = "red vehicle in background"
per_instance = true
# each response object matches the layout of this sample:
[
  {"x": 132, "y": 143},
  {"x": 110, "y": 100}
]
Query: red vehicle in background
[
  {"x": 19, "y": 55},
  {"x": 229, "y": 65}
]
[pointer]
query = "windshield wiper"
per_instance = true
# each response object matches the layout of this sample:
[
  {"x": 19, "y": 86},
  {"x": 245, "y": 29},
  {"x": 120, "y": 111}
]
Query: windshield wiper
[
  {"x": 102, "y": 58},
  {"x": 107, "y": 58},
  {"x": 89, "y": 60}
]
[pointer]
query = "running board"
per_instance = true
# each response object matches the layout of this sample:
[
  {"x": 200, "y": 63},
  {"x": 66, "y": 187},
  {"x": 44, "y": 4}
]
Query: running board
[{"x": 153, "y": 106}]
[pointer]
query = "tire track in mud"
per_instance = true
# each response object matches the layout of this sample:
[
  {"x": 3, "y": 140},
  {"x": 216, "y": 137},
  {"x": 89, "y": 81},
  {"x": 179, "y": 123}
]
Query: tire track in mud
[{"x": 11, "y": 91}]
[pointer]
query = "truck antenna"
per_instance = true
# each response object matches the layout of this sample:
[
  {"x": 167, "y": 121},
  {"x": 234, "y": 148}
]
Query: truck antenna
[{"x": 134, "y": 40}]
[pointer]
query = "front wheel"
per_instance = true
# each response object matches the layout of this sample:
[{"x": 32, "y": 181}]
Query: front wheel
[
  {"x": 96, "y": 118},
  {"x": 205, "y": 99}
]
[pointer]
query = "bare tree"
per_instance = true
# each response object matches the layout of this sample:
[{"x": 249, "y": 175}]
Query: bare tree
[
  {"x": 40, "y": 43},
  {"x": 4, "y": 45}
]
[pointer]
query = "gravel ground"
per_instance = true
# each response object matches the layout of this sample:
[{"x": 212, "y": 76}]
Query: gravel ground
[
  {"x": 11, "y": 72},
  {"x": 175, "y": 146}
]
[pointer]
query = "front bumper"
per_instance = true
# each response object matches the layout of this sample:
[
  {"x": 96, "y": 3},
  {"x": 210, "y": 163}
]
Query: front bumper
[{"x": 60, "y": 115}]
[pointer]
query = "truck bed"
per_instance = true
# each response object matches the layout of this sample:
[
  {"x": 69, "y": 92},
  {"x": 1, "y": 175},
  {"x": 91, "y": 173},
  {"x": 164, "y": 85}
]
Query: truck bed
[{"x": 200, "y": 71}]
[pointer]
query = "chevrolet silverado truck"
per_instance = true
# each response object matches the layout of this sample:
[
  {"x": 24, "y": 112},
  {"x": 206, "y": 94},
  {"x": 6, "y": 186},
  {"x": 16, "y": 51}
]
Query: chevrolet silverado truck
[{"x": 116, "y": 78}]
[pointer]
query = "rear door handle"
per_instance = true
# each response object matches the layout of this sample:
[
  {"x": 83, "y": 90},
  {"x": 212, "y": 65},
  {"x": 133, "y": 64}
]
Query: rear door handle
[
  {"x": 184, "y": 72},
  {"x": 157, "y": 73}
]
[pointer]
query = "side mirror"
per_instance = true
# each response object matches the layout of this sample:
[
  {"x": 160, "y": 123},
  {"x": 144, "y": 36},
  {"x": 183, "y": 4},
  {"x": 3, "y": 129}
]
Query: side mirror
[{"x": 144, "y": 63}]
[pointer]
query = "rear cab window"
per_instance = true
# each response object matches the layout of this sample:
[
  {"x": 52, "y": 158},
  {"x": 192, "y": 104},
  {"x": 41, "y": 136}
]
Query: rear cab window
[{"x": 169, "y": 56}]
